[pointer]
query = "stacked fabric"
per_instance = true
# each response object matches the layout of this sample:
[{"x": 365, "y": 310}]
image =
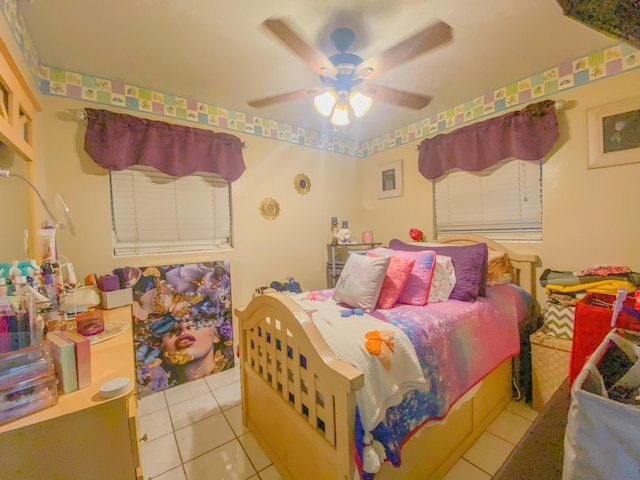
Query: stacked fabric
[{"x": 565, "y": 289}]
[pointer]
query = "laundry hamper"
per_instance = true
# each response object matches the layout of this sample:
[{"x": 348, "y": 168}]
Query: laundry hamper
[
  {"x": 549, "y": 366},
  {"x": 601, "y": 438}
]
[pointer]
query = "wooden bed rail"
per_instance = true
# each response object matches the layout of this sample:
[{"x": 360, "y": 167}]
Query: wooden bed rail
[{"x": 299, "y": 367}]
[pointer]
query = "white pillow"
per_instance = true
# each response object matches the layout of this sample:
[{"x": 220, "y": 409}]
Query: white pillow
[
  {"x": 443, "y": 280},
  {"x": 360, "y": 281}
]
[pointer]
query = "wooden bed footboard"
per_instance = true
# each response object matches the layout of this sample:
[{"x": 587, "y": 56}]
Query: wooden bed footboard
[
  {"x": 298, "y": 400},
  {"x": 293, "y": 385}
]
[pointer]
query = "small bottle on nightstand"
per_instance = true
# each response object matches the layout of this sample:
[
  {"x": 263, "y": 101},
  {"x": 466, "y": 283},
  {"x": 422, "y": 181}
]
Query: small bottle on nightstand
[{"x": 334, "y": 229}]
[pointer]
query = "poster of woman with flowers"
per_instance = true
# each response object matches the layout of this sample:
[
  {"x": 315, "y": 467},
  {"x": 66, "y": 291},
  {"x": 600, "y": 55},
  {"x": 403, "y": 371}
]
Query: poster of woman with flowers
[{"x": 182, "y": 324}]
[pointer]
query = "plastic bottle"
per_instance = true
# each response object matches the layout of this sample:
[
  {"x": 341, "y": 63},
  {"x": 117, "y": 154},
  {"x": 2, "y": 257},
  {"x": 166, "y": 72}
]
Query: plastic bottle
[
  {"x": 48, "y": 242},
  {"x": 21, "y": 281},
  {"x": 50, "y": 290},
  {"x": 14, "y": 271},
  {"x": 334, "y": 229},
  {"x": 71, "y": 275}
]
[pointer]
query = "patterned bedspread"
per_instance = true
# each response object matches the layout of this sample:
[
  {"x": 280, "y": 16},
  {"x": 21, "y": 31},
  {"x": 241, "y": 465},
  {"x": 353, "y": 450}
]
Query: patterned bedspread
[{"x": 457, "y": 344}]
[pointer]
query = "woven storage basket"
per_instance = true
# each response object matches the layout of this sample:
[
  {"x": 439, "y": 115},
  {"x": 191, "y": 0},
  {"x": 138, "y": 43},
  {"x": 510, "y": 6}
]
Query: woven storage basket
[{"x": 549, "y": 364}]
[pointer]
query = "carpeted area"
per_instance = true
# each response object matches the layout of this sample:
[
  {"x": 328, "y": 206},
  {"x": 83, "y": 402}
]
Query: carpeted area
[{"x": 539, "y": 454}]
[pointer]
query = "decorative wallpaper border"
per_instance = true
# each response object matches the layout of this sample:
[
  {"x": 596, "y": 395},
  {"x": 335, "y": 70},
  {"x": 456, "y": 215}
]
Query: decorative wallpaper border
[
  {"x": 65, "y": 83},
  {"x": 578, "y": 72},
  {"x": 81, "y": 86},
  {"x": 21, "y": 35}
]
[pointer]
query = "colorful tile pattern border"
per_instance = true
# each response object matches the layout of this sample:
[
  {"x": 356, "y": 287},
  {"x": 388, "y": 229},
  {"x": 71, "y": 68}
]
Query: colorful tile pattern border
[
  {"x": 81, "y": 86},
  {"x": 578, "y": 72},
  {"x": 65, "y": 83},
  {"x": 21, "y": 35}
]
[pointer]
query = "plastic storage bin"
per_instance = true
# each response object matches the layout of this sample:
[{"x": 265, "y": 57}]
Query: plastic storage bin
[
  {"x": 27, "y": 397},
  {"x": 601, "y": 438},
  {"x": 27, "y": 382},
  {"x": 592, "y": 323},
  {"x": 25, "y": 364}
]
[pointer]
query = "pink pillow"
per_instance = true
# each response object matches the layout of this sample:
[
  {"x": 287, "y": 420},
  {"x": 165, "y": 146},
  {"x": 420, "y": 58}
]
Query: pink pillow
[
  {"x": 416, "y": 290},
  {"x": 394, "y": 280}
]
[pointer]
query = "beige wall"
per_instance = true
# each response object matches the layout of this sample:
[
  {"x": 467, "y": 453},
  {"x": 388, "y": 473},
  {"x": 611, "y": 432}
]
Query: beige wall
[
  {"x": 590, "y": 217},
  {"x": 294, "y": 244}
]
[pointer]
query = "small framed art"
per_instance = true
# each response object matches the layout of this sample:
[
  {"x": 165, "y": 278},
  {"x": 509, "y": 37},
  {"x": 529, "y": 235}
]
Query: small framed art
[
  {"x": 390, "y": 179},
  {"x": 614, "y": 133}
]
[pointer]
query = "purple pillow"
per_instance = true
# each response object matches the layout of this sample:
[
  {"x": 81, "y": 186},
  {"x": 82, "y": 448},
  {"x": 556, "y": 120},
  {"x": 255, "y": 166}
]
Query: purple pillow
[{"x": 469, "y": 263}]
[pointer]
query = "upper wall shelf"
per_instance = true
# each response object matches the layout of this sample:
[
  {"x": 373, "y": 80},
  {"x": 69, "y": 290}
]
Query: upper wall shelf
[{"x": 18, "y": 107}]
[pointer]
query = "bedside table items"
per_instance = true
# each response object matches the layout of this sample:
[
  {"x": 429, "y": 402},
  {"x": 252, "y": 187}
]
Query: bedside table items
[
  {"x": 367, "y": 237},
  {"x": 334, "y": 229},
  {"x": 343, "y": 237}
]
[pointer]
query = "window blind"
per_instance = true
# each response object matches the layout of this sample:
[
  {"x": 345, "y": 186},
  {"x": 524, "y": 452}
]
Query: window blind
[
  {"x": 153, "y": 212},
  {"x": 503, "y": 202}
]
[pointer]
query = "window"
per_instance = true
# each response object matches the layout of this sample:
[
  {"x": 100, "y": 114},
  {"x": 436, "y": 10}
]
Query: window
[
  {"x": 503, "y": 202},
  {"x": 156, "y": 213}
]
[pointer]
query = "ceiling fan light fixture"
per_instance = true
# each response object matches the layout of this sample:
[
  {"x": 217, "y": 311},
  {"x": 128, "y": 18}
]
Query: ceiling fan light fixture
[
  {"x": 325, "y": 102},
  {"x": 360, "y": 103},
  {"x": 340, "y": 115}
]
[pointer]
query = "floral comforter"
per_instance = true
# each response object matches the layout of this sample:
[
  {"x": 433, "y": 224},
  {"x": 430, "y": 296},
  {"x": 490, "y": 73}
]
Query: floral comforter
[{"x": 457, "y": 344}]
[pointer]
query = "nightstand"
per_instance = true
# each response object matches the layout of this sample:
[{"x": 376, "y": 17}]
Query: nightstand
[{"x": 337, "y": 255}]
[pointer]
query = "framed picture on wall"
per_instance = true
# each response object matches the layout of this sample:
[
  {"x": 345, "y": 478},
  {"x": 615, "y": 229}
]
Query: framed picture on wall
[
  {"x": 390, "y": 179},
  {"x": 614, "y": 133}
]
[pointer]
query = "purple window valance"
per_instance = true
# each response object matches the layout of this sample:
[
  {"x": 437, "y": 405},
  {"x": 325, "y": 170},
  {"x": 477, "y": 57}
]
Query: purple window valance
[
  {"x": 116, "y": 141},
  {"x": 528, "y": 134}
]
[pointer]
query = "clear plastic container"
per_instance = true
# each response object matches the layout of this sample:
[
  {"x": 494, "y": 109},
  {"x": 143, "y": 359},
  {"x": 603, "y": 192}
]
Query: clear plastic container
[
  {"x": 27, "y": 363},
  {"x": 27, "y": 397}
]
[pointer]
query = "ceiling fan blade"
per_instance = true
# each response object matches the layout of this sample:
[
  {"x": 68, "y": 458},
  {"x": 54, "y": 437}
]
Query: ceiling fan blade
[
  {"x": 312, "y": 57},
  {"x": 283, "y": 97},
  {"x": 431, "y": 37},
  {"x": 397, "y": 97}
]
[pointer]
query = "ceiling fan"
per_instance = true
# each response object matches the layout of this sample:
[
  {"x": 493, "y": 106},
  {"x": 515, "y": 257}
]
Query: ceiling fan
[{"x": 345, "y": 76}]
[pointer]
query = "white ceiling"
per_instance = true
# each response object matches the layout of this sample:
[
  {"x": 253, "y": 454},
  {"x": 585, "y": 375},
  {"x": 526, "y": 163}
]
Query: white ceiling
[{"x": 216, "y": 51}]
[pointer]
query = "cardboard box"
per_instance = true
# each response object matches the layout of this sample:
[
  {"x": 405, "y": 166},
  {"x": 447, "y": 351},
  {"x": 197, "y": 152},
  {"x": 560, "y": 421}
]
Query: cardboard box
[
  {"x": 117, "y": 298},
  {"x": 64, "y": 361},
  {"x": 83, "y": 357}
]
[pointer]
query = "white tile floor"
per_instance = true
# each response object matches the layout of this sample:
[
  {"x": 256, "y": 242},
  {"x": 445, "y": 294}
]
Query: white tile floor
[{"x": 195, "y": 432}]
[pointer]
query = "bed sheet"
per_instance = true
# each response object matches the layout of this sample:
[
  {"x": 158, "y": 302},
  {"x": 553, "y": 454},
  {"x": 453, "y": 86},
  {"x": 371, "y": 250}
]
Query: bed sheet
[{"x": 457, "y": 344}]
